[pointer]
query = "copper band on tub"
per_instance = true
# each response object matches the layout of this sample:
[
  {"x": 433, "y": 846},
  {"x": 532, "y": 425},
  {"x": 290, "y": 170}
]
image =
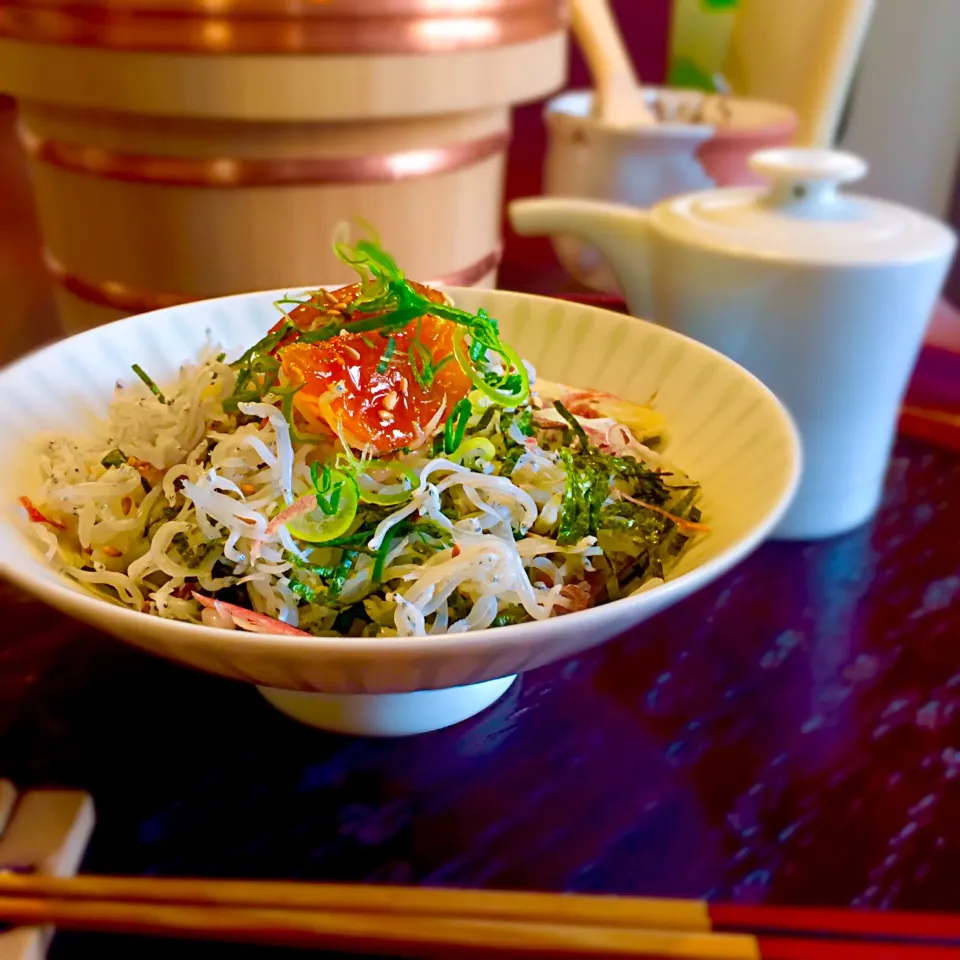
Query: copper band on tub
[
  {"x": 258, "y": 27},
  {"x": 127, "y": 299},
  {"x": 240, "y": 172},
  {"x": 286, "y": 9}
]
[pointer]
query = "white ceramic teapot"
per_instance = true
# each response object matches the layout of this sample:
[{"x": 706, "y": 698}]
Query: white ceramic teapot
[{"x": 823, "y": 295}]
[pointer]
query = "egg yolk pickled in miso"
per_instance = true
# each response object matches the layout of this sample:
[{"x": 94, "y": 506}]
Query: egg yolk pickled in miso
[{"x": 381, "y": 390}]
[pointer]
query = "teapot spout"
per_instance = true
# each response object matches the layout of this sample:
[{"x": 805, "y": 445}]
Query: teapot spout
[{"x": 620, "y": 233}]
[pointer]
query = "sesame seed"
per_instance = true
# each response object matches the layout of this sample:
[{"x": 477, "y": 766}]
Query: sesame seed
[
  {"x": 353, "y": 353},
  {"x": 390, "y": 400},
  {"x": 385, "y": 416},
  {"x": 343, "y": 332},
  {"x": 112, "y": 551},
  {"x": 404, "y": 385}
]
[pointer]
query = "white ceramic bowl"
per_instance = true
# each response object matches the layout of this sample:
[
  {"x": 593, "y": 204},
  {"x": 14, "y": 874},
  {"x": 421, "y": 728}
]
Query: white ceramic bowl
[{"x": 726, "y": 429}]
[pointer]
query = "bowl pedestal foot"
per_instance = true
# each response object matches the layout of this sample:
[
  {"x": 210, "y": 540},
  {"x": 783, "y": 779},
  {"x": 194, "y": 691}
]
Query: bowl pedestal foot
[{"x": 387, "y": 714}]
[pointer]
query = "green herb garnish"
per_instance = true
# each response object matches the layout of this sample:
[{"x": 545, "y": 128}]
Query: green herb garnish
[
  {"x": 431, "y": 534},
  {"x": 286, "y": 406},
  {"x": 358, "y": 540},
  {"x": 485, "y": 418},
  {"x": 647, "y": 484},
  {"x": 388, "y": 302},
  {"x": 258, "y": 371},
  {"x": 378, "y": 564},
  {"x": 456, "y": 426},
  {"x": 322, "y": 572},
  {"x": 387, "y": 354},
  {"x": 524, "y": 421},
  {"x": 588, "y": 485},
  {"x": 191, "y": 556},
  {"x": 115, "y": 458},
  {"x": 422, "y": 364},
  {"x": 342, "y": 573},
  {"x": 578, "y": 430},
  {"x": 328, "y": 493},
  {"x": 513, "y": 613},
  {"x": 301, "y": 590},
  {"x": 351, "y": 620},
  {"x": 154, "y": 389}
]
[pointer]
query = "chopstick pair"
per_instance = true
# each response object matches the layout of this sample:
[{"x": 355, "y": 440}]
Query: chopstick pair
[{"x": 431, "y": 923}]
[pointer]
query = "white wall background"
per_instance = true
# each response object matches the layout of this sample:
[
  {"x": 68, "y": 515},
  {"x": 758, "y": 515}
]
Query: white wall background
[{"x": 904, "y": 114}]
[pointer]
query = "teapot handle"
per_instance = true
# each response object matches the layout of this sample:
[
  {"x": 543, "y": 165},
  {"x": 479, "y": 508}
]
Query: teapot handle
[{"x": 620, "y": 233}]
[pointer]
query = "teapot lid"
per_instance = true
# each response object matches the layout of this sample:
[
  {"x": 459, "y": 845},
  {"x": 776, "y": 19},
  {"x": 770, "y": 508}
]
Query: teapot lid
[{"x": 801, "y": 216}]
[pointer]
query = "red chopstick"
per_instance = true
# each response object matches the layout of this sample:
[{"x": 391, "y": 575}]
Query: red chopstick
[
  {"x": 811, "y": 947},
  {"x": 828, "y": 921}
]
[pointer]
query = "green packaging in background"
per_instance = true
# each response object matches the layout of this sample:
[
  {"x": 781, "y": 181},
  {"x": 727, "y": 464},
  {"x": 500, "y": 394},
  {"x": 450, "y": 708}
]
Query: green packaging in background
[{"x": 700, "y": 33}]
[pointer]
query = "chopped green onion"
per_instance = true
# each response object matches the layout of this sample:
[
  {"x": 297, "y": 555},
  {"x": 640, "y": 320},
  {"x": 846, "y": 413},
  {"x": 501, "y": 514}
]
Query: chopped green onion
[
  {"x": 336, "y": 509},
  {"x": 421, "y": 361},
  {"x": 328, "y": 492},
  {"x": 387, "y": 354},
  {"x": 388, "y": 302},
  {"x": 456, "y": 426},
  {"x": 478, "y": 351},
  {"x": 476, "y": 448},
  {"x": 279, "y": 304},
  {"x": 286, "y": 408},
  {"x": 267, "y": 345},
  {"x": 258, "y": 371},
  {"x": 378, "y": 564},
  {"x": 509, "y": 390},
  {"x": 485, "y": 419},
  {"x": 358, "y": 539},
  {"x": 441, "y": 363},
  {"x": 154, "y": 389}
]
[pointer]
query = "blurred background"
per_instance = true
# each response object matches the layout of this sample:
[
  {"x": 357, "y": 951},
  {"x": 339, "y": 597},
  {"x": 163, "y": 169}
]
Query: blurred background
[{"x": 170, "y": 166}]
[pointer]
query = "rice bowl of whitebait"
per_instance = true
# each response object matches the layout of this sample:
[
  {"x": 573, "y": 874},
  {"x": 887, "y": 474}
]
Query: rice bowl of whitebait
[{"x": 382, "y": 503}]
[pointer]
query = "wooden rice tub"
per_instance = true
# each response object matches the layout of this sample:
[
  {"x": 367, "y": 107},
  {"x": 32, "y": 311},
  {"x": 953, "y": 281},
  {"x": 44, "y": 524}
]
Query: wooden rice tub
[{"x": 183, "y": 149}]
